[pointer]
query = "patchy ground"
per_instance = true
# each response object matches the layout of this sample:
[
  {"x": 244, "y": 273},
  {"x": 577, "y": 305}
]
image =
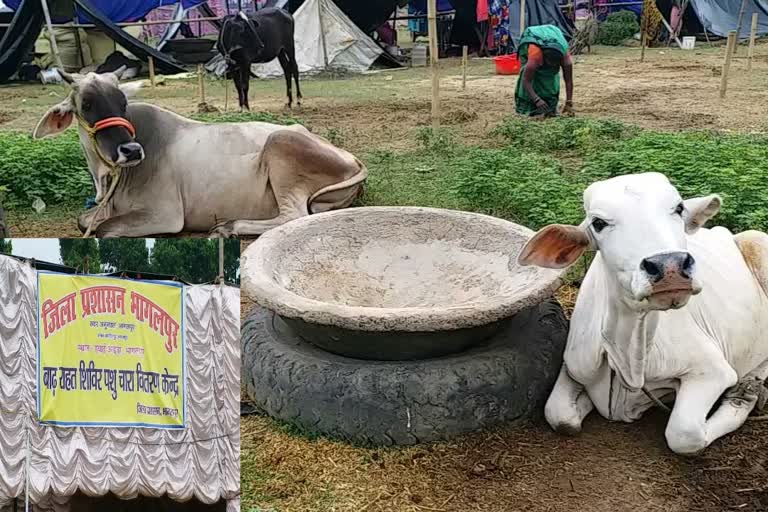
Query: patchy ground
[{"x": 609, "y": 467}]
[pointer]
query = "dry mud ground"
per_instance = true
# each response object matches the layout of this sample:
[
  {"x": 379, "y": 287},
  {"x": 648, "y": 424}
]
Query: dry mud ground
[{"x": 609, "y": 467}]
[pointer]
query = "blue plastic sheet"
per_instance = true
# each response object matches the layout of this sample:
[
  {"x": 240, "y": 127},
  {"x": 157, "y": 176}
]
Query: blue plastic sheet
[{"x": 119, "y": 11}]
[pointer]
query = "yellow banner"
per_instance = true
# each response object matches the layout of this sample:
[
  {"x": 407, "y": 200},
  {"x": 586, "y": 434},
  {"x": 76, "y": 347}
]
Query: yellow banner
[{"x": 110, "y": 352}]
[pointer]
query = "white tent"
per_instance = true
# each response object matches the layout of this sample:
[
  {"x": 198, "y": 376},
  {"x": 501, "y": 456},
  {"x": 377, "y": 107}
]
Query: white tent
[{"x": 346, "y": 47}]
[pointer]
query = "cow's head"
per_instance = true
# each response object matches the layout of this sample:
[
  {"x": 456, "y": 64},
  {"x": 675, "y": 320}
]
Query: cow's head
[
  {"x": 638, "y": 223},
  {"x": 99, "y": 102},
  {"x": 243, "y": 32}
]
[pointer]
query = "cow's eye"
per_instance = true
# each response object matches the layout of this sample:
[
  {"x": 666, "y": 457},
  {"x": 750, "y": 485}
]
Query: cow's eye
[
  {"x": 86, "y": 106},
  {"x": 599, "y": 224},
  {"x": 679, "y": 209}
]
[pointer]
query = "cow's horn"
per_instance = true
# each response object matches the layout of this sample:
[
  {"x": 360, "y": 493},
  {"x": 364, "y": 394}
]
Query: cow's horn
[
  {"x": 66, "y": 76},
  {"x": 119, "y": 71}
]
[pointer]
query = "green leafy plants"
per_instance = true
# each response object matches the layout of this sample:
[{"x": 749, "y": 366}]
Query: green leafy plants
[
  {"x": 698, "y": 163},
  {"x": 52, "y": 169},
  {"x": 563, "y": 134},
  {"x": 617, "y": 28},
  {"x": 528, "y": 188}
]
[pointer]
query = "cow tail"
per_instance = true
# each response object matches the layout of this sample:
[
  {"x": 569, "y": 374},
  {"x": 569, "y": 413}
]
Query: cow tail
[{"x": 355, "y": 180}]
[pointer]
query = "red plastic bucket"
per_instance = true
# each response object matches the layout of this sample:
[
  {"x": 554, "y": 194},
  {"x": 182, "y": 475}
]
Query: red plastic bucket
[{"x": 507, "y": 64}]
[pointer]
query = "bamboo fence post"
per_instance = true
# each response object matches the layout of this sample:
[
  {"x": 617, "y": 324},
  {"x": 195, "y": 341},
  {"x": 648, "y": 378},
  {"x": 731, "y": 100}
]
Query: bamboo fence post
[
  {"x": 752, "y": 37},
  {"x": 522, "y": 17},
  {"x": 738, "y": 25},
  {"x": 643, "y": 41},
  {"x": 200, "y": 83},
  {"x": 727, "y": 62},
  {"x": 433, "y": 59},
  {"x": 151, "y": 73},
  {"x": 464, "y": 58}
]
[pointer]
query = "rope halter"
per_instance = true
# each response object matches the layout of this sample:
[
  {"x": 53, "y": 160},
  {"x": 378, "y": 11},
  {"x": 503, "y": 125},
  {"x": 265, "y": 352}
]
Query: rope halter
[{"x": 109, "y": 122}]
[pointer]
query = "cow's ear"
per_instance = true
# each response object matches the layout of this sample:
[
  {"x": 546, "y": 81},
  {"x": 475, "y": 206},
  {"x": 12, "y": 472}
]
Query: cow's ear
[
  {"x": 699, "y": 210},
  {"x": 55, "y": 121},
  {"x": 131, "y": 88},
  {"x": 555, "y": 246}
]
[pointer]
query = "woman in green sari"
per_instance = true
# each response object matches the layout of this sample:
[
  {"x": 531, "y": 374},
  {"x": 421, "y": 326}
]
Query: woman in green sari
[{"x": 543, "y": 51}]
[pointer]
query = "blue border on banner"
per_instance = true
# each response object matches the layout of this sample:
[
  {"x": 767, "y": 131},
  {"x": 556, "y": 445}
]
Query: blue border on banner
[{"x": 183, "y": 425}]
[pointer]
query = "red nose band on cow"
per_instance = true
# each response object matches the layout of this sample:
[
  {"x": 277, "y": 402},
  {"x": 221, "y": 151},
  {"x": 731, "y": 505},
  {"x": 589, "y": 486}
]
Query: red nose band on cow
[{"x": 110, "y": 122}]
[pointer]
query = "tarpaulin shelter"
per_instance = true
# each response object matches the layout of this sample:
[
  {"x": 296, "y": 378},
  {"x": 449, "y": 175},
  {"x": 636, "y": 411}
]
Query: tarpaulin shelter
[
  {"x": 346, "y": 46},
  {"x": 118, "y": 10},
  {"x": 718, "y": 17},
  {"x": 28, "y": 22},
  {"x": 368, "y": 15},
  {"x": 201, "y": 461}
]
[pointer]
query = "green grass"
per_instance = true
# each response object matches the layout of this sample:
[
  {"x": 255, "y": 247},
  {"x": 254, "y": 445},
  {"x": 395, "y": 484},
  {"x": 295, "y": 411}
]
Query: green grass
[
  {"x": 530, "y": 172},
  {"x": 538, "y": 176}
]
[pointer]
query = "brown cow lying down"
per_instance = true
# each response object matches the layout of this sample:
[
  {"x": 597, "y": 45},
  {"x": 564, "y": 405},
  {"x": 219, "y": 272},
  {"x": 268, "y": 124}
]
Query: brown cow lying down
[{"x": 181, "y": 175}]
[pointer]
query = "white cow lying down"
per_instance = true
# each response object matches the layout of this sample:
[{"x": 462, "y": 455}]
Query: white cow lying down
[{"x": 667, "y": 309}]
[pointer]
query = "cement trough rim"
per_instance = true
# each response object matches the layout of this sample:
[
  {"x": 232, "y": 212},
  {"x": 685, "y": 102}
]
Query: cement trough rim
[{"x": 262, "y": 289}]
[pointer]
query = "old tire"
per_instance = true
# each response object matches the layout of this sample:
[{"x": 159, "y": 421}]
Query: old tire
[{"x": 504, "y": 380}]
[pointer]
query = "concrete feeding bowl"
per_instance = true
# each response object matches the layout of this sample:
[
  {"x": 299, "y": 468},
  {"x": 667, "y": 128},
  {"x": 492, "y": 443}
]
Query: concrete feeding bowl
[{"x": 394, "y": 283}]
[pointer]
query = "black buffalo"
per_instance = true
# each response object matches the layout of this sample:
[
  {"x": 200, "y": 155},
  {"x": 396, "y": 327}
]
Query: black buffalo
[{"x": 263, "y": 37}]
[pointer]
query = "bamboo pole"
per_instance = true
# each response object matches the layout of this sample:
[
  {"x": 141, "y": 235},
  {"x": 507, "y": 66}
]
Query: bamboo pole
[
  {"x": 464, "y": 58},
  {"x": 49, "y": 24},
  {"x": 200, "y": 83},
  {"x": 738, "y": 25},
  {"x": 752, "y": 37},
  {"x": 643, "y": 41},
  {"x": 727, "y": 62},
  {"x": 522, "y": 17},
  {"x": 322, "y": 33},
  {"x": 221, "y": 260},
  {"x": 669, "y": 28},
  {"x": 433, "y": 60},
  {"x": 226, "y": 94},
  {"x": 151, "y": 72}
]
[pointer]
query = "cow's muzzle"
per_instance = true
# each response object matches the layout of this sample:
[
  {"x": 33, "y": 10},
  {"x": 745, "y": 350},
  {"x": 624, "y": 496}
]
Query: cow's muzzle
[
  {"x": 130, "y": 154},
  {"x": 671, "y": 279}
]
